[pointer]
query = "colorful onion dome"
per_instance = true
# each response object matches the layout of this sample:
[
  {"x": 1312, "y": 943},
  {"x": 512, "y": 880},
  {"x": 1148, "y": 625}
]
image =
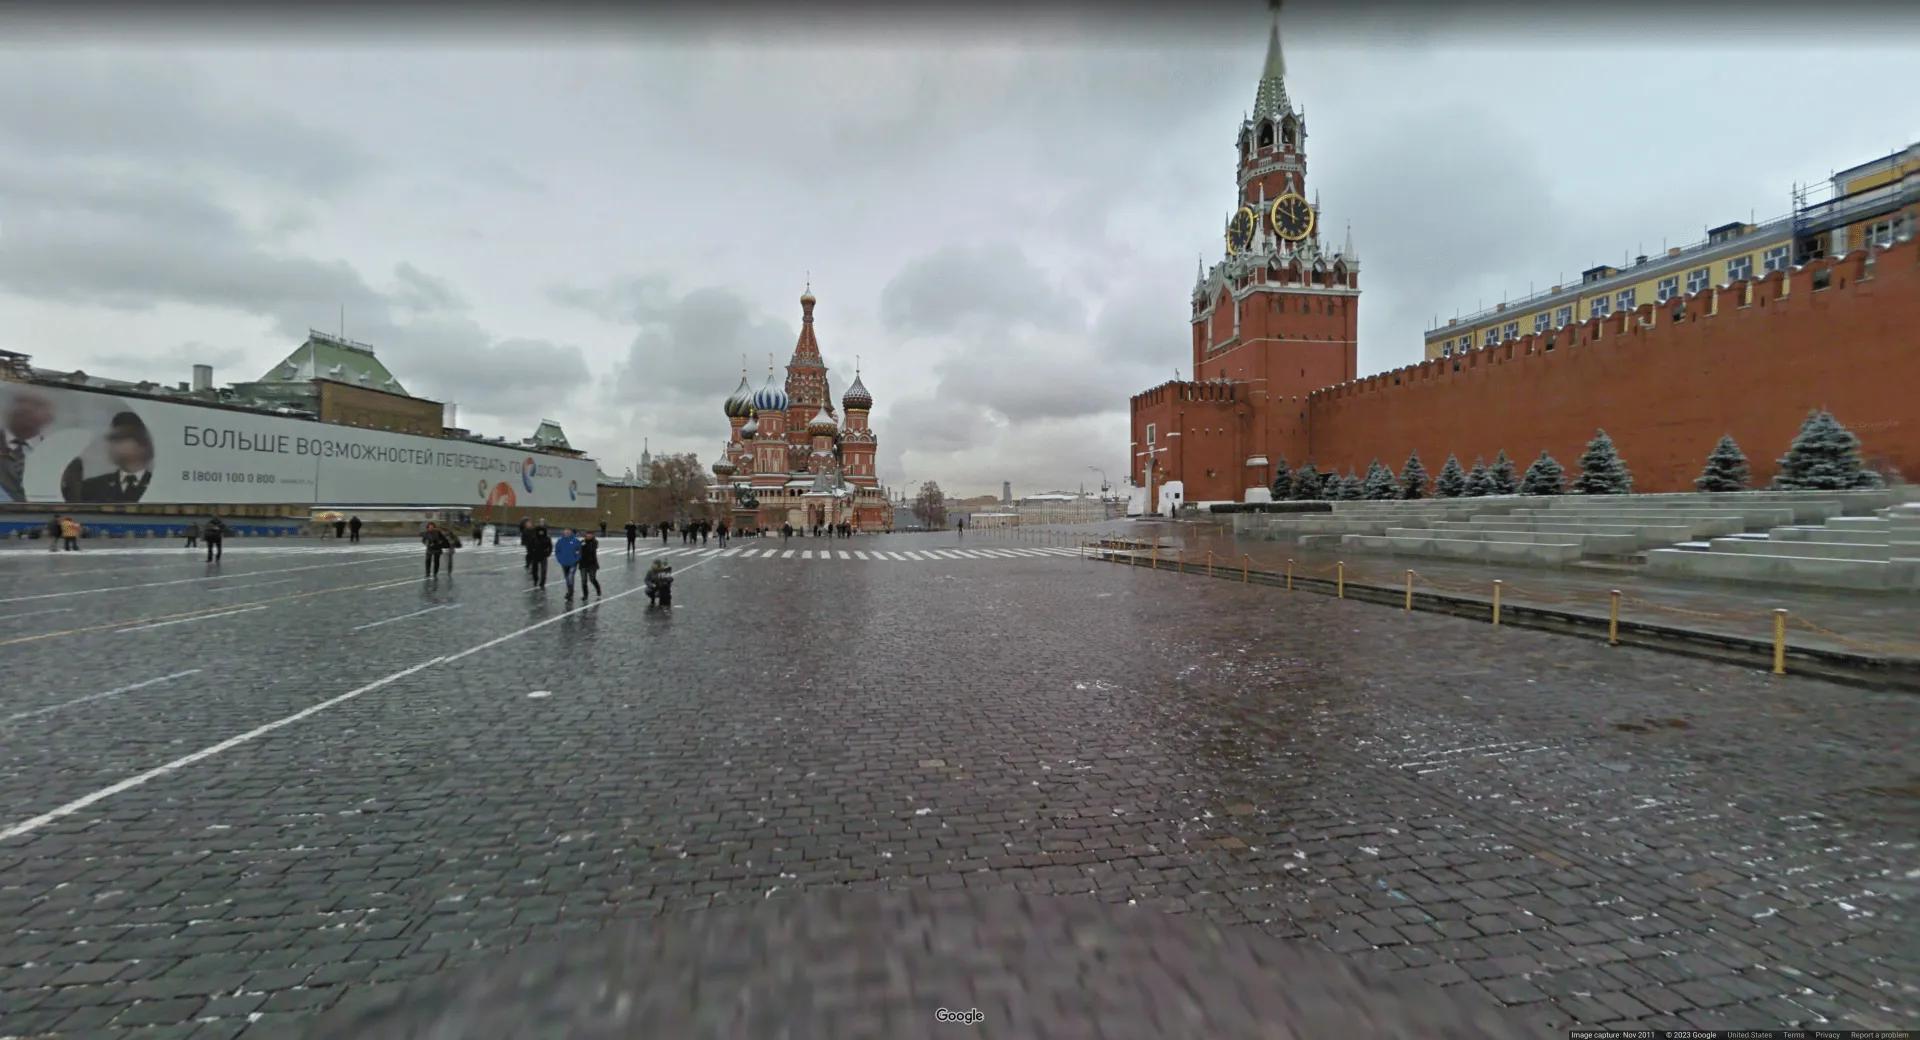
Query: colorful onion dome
[
  {"x": 822, "y": 425},
  {"x": 723, "y": 468},
  {"x": 770, "y": 398},
  {"x": 857, "y": 399},
  {"x": 740, "y": 405}
]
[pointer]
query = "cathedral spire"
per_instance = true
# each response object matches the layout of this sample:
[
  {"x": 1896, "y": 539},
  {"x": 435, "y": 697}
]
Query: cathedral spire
[{"x": 1271, "y": 99}]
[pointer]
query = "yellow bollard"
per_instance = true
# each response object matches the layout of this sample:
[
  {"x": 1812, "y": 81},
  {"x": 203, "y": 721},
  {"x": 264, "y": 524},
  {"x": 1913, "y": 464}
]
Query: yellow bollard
[
  {"x": 1340, "y": 580},
  {"x": 1613, "y": 617},
  {"x": 1779, "y": 640},
  {"x": 1156, "y": 554},
  {"x": 1289, "y": 575},
  {"x": 1409, "y": 590},
  {"x": 1496, "y": 602}
]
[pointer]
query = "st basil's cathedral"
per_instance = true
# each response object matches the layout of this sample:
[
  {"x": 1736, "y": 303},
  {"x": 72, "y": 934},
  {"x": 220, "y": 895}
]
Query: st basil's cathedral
[{"x": 790, "y": 459}]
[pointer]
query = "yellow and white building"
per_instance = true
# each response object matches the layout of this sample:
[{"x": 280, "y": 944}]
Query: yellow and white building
[{"x": 1874, "y": 203}]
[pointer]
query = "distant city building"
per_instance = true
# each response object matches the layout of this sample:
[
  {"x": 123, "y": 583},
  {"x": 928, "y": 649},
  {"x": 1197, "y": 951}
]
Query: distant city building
[{"x": 1872, "y": 204}]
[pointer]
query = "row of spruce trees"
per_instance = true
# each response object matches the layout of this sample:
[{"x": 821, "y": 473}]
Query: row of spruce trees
[{"x": 1824, "y": 456}]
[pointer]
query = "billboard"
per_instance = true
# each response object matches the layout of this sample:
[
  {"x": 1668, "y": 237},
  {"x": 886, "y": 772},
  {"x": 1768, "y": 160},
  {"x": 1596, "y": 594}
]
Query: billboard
[{"x": 82, "y": 448}]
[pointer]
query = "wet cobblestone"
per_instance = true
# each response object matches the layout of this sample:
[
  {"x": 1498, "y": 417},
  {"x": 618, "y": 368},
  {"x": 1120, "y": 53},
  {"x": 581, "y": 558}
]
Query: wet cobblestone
[{"x": 1592, "y": 835}]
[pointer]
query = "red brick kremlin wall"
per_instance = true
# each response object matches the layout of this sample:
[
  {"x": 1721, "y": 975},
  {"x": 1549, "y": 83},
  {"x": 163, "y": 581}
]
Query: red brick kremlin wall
[{"x": 1748, "y": 360}]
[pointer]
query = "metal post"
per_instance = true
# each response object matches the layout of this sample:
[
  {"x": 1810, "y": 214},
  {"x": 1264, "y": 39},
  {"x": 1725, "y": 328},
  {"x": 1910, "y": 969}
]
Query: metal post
[
  {"x": 1340, "y": 580},
  {"x": 1613, "y": 617},
  {"x": 1496, "y": 602},
  {"x": 1156, "y": 554},
  {"x": 1409, "y": 589},
  {"x": 1289, "y": 575},
  {"x": 1209, "y": 563},
  {"x": 1244, "y": 559},
  {"x": 1779, "y": 640}
]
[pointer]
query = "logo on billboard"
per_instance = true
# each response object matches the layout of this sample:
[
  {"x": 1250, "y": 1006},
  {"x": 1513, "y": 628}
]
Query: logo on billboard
[
  {"x": 483, "y": 489},
  {"x": 573, "y": 491},
  {"x": 502, "y": 495},
  {"x": 526, "y": 475}
]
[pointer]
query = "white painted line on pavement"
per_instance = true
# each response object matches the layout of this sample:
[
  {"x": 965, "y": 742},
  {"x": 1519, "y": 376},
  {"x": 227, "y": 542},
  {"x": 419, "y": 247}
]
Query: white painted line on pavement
[
  {"x": 37, "y": 822},
  {"x": 786, "y": 554},
  {"x": 182, "y": 621},
  {"x": 806, "y": 554},
  {"x": 844, "y": 556},
  {"x": 537, "y": 694},
  {"x": 913, "y": 555},
  {"x": 253, "y": 585},
  {"x": 184, "y": 581},
  {"x": 896, "y": 555},
  {"x": 97, "y": 696},
  {"x": 860, "y": 554},
  {"x": 403, "y": 617}
]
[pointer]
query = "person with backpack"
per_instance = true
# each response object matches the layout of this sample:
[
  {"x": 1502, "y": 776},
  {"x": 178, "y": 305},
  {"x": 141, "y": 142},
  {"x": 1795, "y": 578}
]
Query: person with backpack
[
  {"x": 436, "y": 542},
  {"x": 566, "y": 553}
]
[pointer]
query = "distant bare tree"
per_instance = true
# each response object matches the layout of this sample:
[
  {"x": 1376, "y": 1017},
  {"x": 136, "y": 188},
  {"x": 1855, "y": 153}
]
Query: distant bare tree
[
  {"x": 679, "y": 487},
  {"x": 930, "y": 506}
]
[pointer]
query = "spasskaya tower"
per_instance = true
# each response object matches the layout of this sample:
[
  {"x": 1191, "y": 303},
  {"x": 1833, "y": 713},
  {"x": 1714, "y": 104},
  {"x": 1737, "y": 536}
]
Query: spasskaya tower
[{"x": 1275, "y": 318}]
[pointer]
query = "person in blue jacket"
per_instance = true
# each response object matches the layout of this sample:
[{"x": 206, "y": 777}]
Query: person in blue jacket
[{"x": 566, "y": 553}]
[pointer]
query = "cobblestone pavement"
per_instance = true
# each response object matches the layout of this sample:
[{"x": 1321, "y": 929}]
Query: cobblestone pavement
[
  {"x": 1884, "y": 624},
  {"x": 235, "y": 798}
]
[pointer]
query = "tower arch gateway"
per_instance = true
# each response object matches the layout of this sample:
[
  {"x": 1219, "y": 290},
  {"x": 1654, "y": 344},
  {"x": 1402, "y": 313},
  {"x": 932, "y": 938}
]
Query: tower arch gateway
[{"x": 1275, "y": 317}]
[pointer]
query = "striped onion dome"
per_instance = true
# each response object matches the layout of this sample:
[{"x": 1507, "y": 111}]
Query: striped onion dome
[
  {"x": 770, "y": 398},
  {"x": 740, "y": 405}
]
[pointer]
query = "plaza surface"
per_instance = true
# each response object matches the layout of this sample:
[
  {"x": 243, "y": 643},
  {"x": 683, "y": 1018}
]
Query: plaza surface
[{"x": 235, "y": 797}]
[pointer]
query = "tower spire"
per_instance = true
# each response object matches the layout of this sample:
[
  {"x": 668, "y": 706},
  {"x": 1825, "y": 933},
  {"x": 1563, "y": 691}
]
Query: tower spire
[{"x": 1271, "y": 99}]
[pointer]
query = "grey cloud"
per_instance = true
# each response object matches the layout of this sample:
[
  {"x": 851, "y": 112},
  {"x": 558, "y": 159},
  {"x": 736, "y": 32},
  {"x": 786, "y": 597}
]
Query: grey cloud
[
  {"x": 423, "y": 293},
  {"x": 981, "y": 289},
  {"x": 936, "y": 424},
  {"x": 152, "y": 111},
  {"x": 179, "y": 357},
  {"x": 509, "y": 379}
]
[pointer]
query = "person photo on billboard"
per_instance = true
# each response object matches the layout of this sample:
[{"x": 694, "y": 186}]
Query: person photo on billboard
[
  {"x": 130, "y": 447},
  {"x": 23, "y": 427}
]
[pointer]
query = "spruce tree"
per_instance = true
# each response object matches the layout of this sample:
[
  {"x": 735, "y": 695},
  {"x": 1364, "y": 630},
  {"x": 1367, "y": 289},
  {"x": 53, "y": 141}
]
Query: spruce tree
[
  {"x": 1282, "y": 480},
  {"x": 1413, "y": 478},
  {"x": 1349, "y": 487},
  {"x": 1378, "y": 485},
  {"x": 1825, "y": 456},
  {"x": 1452, "y": 481},
  {"x": 1306, "y": 483},
  {"x": 1601, "y": 470},
  {"x": 1479, "y": 481},
  {"x": 1501, "y": 478},
  {"x": 1544, "y": 477},
  {"x": 1726, "y": 468}
]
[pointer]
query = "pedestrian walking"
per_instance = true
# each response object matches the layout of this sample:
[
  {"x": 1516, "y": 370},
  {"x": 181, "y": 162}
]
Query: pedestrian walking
[
  {"x": 339, "y": 529},
  {"x": 603, "y": 528},
  {"x": 215, "y": 535},
  {"x": 353, "y": 531},
  {"x": 590, "y": 566},
  {"x": 436, "y": 542},
  {"x": 541, "y": 547},
  {"x": 193, "y": 534},
  {"x": 722, "y": 532},
  {"x": 665, "y": 528},
  {"x": 566, "y": 553},
  {"x": 53, "y": 533},
  {"x": 633, "y": 537},
  {"x": 70, "y": 533}
]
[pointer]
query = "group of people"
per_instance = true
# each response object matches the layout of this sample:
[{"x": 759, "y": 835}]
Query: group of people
[
  {"x": 577, "y": 553},
  {"x": 349, "y": 529},
  {"x": 63, "y": 534}
]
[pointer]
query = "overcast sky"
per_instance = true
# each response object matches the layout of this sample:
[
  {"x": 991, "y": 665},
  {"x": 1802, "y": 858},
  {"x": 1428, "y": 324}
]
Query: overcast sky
[{"x": 593, "y": 222}]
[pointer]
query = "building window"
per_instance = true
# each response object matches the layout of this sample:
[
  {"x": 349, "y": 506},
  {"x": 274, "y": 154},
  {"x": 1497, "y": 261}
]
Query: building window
[
  {"x": 1697, "y": 279},
  {"x": 1625, "y": 300},
  {"x": 1512, "y": 331},
  {"x": 1150, "y": 432},
  {"x": 1447, "y": 350},
  {"x": 1877, "y": 234},
  {"x": 1563, "y": 317},
  {"x": 1776, "y": 259},
  {"x": 1493, "y": 337},
  {"x": 1541, "y": 321},
  {"x": 1668, "y": 288},
  {"x": 1598, "y": 307},
  {"x": 1740, "y": 269}
]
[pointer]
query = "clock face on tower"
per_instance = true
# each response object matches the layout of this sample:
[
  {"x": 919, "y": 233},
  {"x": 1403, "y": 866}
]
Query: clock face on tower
[
  {"x": 1240, "y": 230},
  {"x": 1292, "y": 217}
]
